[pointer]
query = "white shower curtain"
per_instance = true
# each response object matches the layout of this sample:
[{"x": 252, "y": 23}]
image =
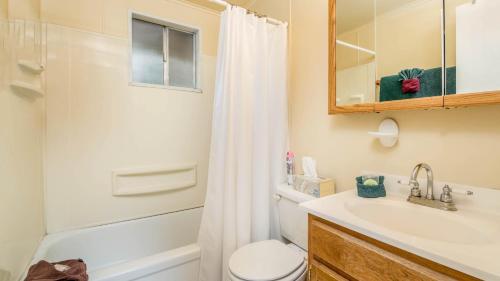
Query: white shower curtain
[{"x": 249, "y": 139}]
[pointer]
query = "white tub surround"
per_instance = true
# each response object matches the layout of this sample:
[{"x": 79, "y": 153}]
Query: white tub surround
[
  {"x": 155, "y": 248},
  {"x": 178, "y": 264},
  {"x": 467, "y": 240}
]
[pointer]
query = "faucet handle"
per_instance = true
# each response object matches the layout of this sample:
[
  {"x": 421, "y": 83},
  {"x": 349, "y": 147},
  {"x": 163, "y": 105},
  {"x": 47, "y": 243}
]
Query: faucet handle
[
  {"x": 446, "y": 195},
  {"x": 415, "y": 187}
]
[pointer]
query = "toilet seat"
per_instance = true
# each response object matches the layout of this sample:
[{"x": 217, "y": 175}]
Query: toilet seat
[
  {"x": 268, "y": 260},
  {"x": 294, "y": 276}
]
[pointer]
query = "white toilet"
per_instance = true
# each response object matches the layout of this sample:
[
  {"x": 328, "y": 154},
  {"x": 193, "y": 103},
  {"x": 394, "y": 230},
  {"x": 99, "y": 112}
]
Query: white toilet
[{"x": 271, "y": 259}]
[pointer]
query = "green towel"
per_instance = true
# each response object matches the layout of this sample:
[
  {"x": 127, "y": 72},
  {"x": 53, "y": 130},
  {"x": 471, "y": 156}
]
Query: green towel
[
  {"x": 451, "y": 80},
  {"x": 430, "y": 85}
]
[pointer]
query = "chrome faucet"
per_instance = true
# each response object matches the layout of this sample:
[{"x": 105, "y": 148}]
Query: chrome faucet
[
  {"x": 430, "y": 181},
  {"x": 446, "y": 200}
]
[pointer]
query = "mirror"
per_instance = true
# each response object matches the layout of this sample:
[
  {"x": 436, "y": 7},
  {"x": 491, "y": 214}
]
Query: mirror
[
  {"x": 355, "y": 52},
  {"x": 472, "y": 44},
  {"x": 387, "y": 50}
]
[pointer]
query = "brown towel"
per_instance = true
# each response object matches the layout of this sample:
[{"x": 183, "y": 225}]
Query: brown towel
[{"x": 45, "y": 271}]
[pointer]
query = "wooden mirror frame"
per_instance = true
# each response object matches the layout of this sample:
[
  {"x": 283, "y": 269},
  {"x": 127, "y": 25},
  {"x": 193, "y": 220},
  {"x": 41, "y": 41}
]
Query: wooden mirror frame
[{"x": 436, "y": 102}]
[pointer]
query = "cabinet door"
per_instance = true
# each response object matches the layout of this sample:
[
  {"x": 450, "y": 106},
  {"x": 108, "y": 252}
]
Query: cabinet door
[
  {"x": 345, "y": 254},
  {"x": 319, "y": 272},
  {"x": 472, "y": 52},
  {"x": 362, "y": 260},
  {"x": 375, "y": 60}
]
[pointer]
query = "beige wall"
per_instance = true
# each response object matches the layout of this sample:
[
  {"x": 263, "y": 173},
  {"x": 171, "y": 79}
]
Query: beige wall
[
  {"x": 278, "y": 9},
  {"x": 24, "y": 9},
  {"x": 4, "y": 6},
  {"x": 97, "y": 123},
  {"x": 21, "y": 173},
  {"x": 462, "y": 145},
  {"x": 20, "y": 9}
]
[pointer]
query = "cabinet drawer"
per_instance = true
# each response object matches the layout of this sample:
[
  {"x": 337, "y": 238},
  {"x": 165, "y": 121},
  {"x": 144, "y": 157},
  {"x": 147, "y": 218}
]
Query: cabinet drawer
[
  {"x": 361, "y": 260},
  {"x": 320, "y": 272}
]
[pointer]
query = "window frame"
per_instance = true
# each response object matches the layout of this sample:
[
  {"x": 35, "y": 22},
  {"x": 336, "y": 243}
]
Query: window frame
[{"x": 167, "y": 26}]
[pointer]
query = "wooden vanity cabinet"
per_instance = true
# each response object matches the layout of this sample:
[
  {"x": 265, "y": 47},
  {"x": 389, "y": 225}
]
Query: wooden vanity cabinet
[{"x": 338, "y": 253}]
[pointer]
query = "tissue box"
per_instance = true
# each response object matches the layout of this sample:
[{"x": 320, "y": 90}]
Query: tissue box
[{"x": 317, "y": 187}]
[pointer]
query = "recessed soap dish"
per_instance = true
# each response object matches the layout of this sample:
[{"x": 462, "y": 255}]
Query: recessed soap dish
[
  {"x": 26, "y": 89},
  {"x": 388, "y": 133},
  {"x": 31, "y": 66}
]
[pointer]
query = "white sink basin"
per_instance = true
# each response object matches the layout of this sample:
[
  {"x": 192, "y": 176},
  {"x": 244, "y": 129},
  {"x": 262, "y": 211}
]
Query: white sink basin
[
  {"x": 467, "y": 240},
  {"x": 424, "y": 222}
]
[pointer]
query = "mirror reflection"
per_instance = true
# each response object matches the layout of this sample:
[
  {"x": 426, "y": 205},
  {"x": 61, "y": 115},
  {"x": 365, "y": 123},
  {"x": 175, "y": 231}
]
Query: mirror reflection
[{"x": 388, "y": 50}]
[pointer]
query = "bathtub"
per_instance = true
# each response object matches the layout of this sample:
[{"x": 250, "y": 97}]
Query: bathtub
[{"x": 152, "y": 249}]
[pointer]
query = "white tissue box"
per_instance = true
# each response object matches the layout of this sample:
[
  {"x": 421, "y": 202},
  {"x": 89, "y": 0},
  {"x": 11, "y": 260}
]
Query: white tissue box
[{"x": 317, "y": 187}]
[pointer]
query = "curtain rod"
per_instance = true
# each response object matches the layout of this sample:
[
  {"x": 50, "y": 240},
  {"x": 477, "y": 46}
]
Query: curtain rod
[{"x": 270, "y": 20}]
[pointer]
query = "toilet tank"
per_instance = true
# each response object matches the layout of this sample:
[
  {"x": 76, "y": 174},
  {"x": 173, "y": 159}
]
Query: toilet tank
[{"x": 293, "y": 218}]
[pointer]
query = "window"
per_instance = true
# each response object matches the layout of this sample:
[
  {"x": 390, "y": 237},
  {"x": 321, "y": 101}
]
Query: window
[{"x": 163, "y": 54}]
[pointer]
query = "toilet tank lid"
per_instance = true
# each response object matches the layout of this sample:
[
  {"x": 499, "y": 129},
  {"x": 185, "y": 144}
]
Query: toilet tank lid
[
  {"x": 290, "y": 193},
  {"x": 265, "y": 260}
]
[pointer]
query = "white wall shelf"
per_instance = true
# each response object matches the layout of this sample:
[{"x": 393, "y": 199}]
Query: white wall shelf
[
  {"x": 26, "y": 89},
  {"x": 355, "y": 47},
  {"x": 141, "y": 181}
]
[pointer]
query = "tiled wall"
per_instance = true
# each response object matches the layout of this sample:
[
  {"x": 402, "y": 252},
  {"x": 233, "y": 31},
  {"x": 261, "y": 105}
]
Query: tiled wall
[{"x": 111, "y": 16}]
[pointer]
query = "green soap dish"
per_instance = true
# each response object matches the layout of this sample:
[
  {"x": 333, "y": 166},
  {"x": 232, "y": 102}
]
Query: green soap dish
[{"x": 371, "y": 191}]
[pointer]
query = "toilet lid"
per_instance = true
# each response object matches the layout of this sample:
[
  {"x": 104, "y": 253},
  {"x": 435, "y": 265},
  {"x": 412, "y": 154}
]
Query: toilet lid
[{"x": 264, "y": 261}]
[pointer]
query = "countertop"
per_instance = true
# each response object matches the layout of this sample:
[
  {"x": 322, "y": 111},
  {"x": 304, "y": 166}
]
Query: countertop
[{"x": 439, "y": 243}]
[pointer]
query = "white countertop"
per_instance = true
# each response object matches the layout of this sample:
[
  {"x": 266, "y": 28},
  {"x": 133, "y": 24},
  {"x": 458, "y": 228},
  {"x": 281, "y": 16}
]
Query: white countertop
[{"x": 467, "y": 240}]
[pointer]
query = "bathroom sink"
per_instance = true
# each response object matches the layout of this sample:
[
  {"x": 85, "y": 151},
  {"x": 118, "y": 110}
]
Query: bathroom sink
[
  {"x": 465, "y": 240},
  {"x": 424, "y": 222}
]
